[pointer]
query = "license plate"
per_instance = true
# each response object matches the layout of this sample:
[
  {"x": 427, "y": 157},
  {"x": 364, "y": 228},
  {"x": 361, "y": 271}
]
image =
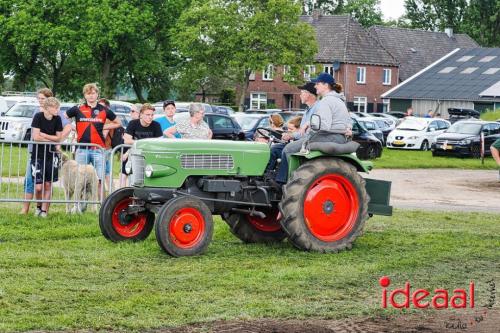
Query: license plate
[
  {"x": 446, "y": 146},
  {"x": 398, "y": 142},
  {"x": 449, "y": 147}
]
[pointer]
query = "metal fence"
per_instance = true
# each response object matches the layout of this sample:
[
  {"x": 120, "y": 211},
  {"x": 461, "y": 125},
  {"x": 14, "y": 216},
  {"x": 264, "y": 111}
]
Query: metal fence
[{"x": 59, "y": 173}]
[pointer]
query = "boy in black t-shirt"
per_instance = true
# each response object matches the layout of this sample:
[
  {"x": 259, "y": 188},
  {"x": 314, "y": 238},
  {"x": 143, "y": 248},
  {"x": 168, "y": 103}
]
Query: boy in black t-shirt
[
  {"x": 46, "y": 127},
  {"x": 144, "y": 127}
]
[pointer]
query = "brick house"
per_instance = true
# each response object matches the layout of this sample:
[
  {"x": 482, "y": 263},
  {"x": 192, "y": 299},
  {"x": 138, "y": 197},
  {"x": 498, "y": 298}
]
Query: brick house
[{"x": 348, "y": 52}]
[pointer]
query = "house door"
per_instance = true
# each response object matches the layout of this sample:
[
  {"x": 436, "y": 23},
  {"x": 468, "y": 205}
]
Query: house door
[{"x": 288, "y": 101}]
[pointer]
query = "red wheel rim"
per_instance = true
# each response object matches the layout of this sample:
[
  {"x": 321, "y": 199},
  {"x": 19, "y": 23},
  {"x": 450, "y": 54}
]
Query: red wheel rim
[
  {"x": 331, "y": 207},
  {"x": 137, "y": 222},
  {"x": 269, "y": 223},
  {"x": 187, "y": 227}
]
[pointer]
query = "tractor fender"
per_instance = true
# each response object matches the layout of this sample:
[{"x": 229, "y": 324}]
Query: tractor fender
[{"x": 299, "y": 158}]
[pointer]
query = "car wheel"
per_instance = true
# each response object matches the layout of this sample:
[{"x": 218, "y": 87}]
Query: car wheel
[{"x": 425, "y": 145}]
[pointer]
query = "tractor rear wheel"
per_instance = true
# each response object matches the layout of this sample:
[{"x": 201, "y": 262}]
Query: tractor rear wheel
[
  {"x": 116, "y": 225},
  {"x": 324, "y": 206},
  {"x": 254, "y": 229},
  {"x": 184, "y": 227}
]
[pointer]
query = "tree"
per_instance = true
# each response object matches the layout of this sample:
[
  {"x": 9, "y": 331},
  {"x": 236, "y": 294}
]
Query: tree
[
  {"x": 366, "y": 12},
  {"x": 237, "y": 37},
  {"x": 436, "y": 14},
  {"x": 482, "y": 22}
]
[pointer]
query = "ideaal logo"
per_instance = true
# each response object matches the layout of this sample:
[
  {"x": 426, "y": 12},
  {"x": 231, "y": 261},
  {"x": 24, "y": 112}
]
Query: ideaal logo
[{"x": 422, "y": 298}]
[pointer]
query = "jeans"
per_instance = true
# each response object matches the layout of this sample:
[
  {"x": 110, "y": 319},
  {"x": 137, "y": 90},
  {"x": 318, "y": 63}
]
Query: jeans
[
  {"x": 276, "y": 150},
  {"x": 294, "y": 147},
  {"x": 94, "y": 157},
  {"x": 29, "y": 186}
]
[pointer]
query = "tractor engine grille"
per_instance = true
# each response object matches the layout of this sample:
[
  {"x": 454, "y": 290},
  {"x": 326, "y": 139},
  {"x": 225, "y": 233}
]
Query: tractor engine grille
[
  {"x": 207, "y": 161},
  {"x": 4, "y": 125},
  {"x": 138, "y": 163}
]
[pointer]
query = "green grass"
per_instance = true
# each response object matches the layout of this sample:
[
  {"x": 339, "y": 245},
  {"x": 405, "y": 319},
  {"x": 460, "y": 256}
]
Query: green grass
[
  {"x": 61, "y": 274},
  {"x": 491, "y": 115},
  {"x": 410, "y": 159}
]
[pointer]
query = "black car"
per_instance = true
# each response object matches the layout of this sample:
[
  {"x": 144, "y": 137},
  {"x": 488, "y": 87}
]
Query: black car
[
  {"x": 462, "y": 114},
  {"x": 370, "y": 146},
  {"x": 223, "y": 127},
  {"x": 463, "y": 138}
]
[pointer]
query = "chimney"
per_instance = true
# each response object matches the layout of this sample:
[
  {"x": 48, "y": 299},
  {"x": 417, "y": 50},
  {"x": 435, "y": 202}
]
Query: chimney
[
  {"x": 316, "y": 14},
  {"x": 449, "y": 32}
]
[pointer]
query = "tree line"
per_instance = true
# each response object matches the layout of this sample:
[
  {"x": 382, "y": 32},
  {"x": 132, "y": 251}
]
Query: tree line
[{"x": 156, "y": 47}]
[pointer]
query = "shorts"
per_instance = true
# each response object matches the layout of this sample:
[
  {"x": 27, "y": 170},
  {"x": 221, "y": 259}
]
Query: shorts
[
  {"x": 45, "y": 171},
  {"x": 29, "y": 186},
  {"x": 94, "y": 157},
  {"x": 496, "y": 144}
]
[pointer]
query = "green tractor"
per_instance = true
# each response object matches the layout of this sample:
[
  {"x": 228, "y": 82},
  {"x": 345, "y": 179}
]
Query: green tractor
[{"x": 177, "y": 185}]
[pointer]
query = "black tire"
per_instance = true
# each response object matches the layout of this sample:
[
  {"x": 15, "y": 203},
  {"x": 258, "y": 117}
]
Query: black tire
[
  {"x": 369, "y": 153},
  {"x": 425, "y": 145},
  {"x": 117, "y": 226},
  {"x": 252, "y": 229},
  {"x": 316, "y": 188},
  {"x": 177, "y": 219}
]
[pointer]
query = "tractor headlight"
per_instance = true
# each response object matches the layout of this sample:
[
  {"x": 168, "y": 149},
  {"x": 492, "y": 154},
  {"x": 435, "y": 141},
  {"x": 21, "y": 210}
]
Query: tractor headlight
[
  {"x": 128, "y": 167},
  {"x": 148, "y": 170}
]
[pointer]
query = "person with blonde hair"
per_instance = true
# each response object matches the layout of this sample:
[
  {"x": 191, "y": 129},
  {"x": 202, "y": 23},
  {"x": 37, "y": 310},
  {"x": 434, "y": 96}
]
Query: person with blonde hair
[
  {"x": 29, "y": 187},
  {"x": 46, "y": 127},
  {"x": 90, "y": 118}
]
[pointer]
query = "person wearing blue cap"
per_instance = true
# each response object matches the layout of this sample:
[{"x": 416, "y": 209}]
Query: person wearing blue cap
[{"x": 336, "y": 124}]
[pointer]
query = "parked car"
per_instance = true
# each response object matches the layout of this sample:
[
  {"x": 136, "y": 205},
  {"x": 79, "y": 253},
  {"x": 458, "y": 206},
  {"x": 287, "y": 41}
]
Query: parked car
[
  {"x": 391, "y": 119},
  {"x": 397, "y": 114},
  {"x": 223, "y": 127},
  {"x": 222, "y": 109},
  {"x": 370, "y": 146},
  {"x": 463, "y": 138},
  {"x": 11, "y": 100},
  {"x": 416, "y": 133},
  {"x": 249, "y": 122},
  {"x": 371, "y": 125},
  {"x": 461, "y": 114},
  {"x": 3, "y": 105},
  {"x": 16, "y": 123},
  {"x": 120, "y": 107}
]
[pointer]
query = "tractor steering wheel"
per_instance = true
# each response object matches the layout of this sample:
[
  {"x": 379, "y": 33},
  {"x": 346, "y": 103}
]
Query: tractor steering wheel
[{"x": 269, "y": 133}]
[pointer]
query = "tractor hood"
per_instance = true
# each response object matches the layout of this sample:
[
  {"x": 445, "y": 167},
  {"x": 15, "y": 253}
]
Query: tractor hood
[{"x": 173, "y": 160}]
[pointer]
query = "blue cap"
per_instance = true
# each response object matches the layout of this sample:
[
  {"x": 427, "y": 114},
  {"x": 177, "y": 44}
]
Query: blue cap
[{"x": 324, "y": 78}]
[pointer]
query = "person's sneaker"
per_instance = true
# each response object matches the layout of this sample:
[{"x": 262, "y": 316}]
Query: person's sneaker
[
  {"x": 38, "y": 210},
  {"x": 43, "y": 214}
]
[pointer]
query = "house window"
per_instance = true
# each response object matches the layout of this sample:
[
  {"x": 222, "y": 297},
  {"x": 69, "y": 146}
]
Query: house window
[
  {"x": 309, "y": 72},
  {"x": 386, "y": 78},
  {"x": 361, "y": 75},
  {"x": 487, "y": 58},
  {"x": 268, "y": 73},
  {"x": 286, "y": 71},
  {"x": 329, "y": 69},
  {"x": 258, "y": 100},
  {"x": 446, "y": 70},
  {"x": 465, "y": 58},
  {"x": 491, "y": 70},
  {"x": 252, "y": 76},
  {"x": 359, "y": 104},
  {"x": 468, "y": 70},
  {"x": 385, "y": 103}
]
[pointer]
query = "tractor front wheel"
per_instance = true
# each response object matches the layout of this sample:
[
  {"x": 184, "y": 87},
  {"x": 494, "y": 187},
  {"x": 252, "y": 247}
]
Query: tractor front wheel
[
  {"x": 184, "y": 227},
  {"x": 117, "y": 225},
  {"x": 254, "y": 229},
  {"x": 324, "y": 206}
]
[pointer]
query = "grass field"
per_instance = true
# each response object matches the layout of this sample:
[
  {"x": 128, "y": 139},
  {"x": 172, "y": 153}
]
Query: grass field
[
  {"x": 409, "y": 159},
  {"x": 61, "y": 274},
  {"x": 491, "y": 115}
]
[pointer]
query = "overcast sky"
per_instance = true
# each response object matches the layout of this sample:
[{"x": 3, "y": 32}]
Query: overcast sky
[{"x": 392, "y": 8}]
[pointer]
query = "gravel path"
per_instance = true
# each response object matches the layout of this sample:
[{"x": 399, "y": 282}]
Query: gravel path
[{"x": 443, "y": 189}]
